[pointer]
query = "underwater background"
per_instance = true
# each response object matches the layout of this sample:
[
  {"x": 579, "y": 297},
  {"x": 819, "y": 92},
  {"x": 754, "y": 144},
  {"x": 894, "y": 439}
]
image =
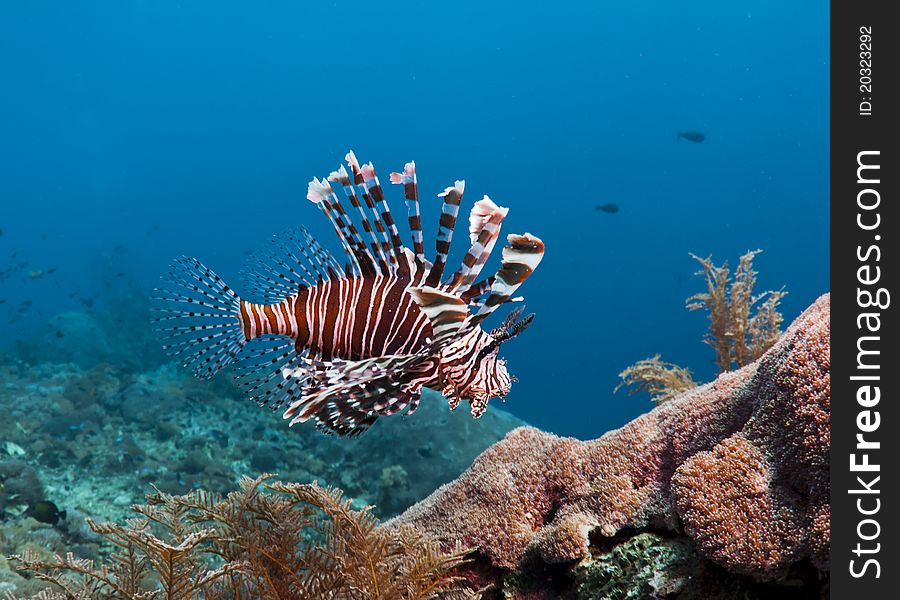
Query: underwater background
[{"x": 134, "y": 132}]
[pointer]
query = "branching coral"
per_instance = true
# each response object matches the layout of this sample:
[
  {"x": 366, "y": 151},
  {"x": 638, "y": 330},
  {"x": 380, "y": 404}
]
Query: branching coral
[
  {"x": 737, "y": 337},
  {"x": 741, "y": 464},
  {"x": 268, "y": 540},
  {"x": 662, "y": 380}
]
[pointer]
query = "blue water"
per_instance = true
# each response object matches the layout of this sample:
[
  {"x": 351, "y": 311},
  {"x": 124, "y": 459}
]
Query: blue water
[{"x": 134, "y": 132}]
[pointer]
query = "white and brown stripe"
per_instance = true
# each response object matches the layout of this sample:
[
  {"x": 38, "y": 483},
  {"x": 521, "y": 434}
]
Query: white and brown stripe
[
  {"x": 346, "y": 318},
  {"x": 411, "y": 191},
  {"x": 280, "y": 318},
  {"x": 520, "y": 258},
  {"x": 449, "y": 211}
]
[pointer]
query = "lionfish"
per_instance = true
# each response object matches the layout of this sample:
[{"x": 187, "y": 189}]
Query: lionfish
[{"x": 344, "y": 344}]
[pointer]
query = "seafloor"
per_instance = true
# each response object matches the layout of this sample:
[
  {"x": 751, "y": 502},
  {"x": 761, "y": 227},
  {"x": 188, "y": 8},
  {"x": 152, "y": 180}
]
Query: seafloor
[{"x": 92, "y": 415}]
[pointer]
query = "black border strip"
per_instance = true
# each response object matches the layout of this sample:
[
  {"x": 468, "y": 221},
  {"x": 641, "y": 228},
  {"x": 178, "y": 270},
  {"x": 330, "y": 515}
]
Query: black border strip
[{"x": 865, "y": 231}]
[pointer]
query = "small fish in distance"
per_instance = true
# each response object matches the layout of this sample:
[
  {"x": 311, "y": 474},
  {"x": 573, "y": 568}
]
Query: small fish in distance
[
  {"x": 607, "y": 208},
  {"x": 349, "y": 341},
  {"x": 45, "y": 512},
  {"x": 691, "y": 136}
]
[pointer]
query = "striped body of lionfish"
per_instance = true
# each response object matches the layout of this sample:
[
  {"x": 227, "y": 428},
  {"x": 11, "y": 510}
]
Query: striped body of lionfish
[{"x": 344, "y": 344}]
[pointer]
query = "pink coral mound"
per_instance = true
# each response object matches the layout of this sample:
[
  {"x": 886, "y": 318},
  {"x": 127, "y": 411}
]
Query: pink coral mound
[
  {"x": 740, "y": 465},
  {"x": 725, "y": 499}
]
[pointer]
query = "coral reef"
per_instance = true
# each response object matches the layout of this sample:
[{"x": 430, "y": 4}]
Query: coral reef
[
  {"x": 650, "y": 565},
  {"x": 271, "y": 540},
  {"x": 739, "y": 465}
]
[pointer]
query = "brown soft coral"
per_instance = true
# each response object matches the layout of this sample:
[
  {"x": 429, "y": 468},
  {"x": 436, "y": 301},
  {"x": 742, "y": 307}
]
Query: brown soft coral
[
  {"x": 753, "y": 443},
  {"x": 271, "y": 540}
]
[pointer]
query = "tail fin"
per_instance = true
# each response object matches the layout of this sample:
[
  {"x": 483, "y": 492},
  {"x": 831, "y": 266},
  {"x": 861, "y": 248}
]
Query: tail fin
[{"x": 200, "y": 317}]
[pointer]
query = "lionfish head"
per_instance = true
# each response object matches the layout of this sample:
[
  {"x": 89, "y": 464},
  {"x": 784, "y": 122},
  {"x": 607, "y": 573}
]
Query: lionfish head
[{"x": 497, "y": 378}]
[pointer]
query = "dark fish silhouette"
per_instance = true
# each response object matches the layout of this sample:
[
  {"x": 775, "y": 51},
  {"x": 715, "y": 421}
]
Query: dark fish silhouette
[
  {"x": 691, "y": 136},
  {"x": 607, "y": 208},
  {"x": 45, "y": 512}
]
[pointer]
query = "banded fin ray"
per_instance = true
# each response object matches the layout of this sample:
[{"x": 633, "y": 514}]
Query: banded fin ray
[
  {"x": 411, "y": 191},
  {"x": 449, "y": 211},
  {"x": 320, "y": 256},
  {"x": 477, "y": 290},
  {"x": 261, "y": 371},
  {"x": 320, "y": 193},
  {"x": 272, "y": 273},
  {"x": 346, "y": 397},
  {"x": 373, "y": 188},
  {"x": 379, "y": 261},
  {"x": 520, "y": 258},
  {"x": 485, "y": 220},
  {"x": 209, "y": 334},
  {"x": 376, "y": 225}
]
